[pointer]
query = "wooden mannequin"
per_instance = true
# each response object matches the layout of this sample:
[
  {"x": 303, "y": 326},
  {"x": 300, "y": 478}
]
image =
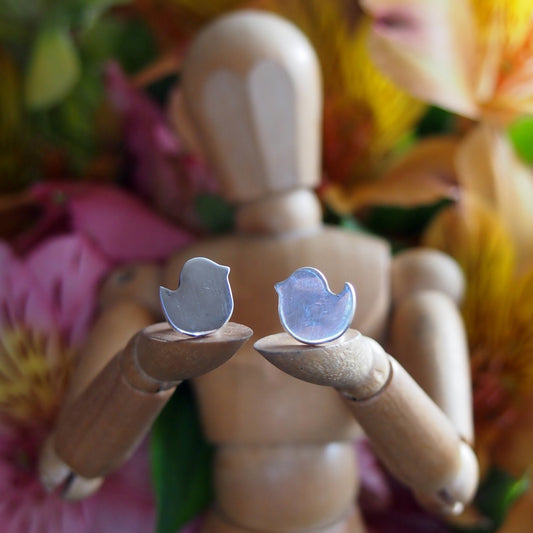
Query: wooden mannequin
[{"x": 284, "y": 459}]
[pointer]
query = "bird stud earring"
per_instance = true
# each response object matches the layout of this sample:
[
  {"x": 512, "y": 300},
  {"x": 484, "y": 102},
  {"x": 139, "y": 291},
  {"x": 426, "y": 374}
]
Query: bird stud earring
[
  {"x": 309, "y": 311},
  {"x": 203, "y": 302}
]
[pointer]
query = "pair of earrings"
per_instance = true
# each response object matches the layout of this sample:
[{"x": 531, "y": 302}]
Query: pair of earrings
[{"x": 307, "y": 309}]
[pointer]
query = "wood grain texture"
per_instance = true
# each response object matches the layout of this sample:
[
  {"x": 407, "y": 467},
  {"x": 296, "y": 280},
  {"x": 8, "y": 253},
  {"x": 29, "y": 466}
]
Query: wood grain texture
[
  {"x": 112, "y": 330},
  {"x": 308, "y": 486},
  {"x": 410, "y": 434},
  {"x": 416, "y": 441},
  {"x": 429, "y": 340},
  {"x": 353, "y": 363},
  {"x": 136, "y": 282},
  {"x": 292, "y": 212},
  {"x": 106, "y": 422},
  {"x": 247, "y": 400},
  {"x": 351, "y": 522},
  {"x": 165, "y": 355},
  {"x": 422, "y": 269}
]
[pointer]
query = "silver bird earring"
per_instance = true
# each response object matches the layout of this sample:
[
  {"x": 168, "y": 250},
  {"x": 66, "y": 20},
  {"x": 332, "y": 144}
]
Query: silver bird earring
[
  {"x": 309, "y": 311},
  {"x": 203, "y": 301}
]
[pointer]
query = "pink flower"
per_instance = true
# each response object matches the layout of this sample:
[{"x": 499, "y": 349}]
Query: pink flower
[
  {"x": 124, "y": 503},
  {"x": 163, "y": 171},
  {"x": 388, "y": 506},
  {"x": 115, "y": 221},
  {"x": 46, "y": 305}
]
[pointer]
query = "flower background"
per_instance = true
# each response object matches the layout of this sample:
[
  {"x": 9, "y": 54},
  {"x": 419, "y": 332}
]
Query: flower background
[{"x": 427, "y": 140}]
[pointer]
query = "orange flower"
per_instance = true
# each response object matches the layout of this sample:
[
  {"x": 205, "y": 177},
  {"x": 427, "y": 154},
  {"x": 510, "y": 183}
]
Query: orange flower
[
  {"x": 489, "y": 169},
  {"x": 483, "y": 165},
  {"x": 499, "y": 320},
  {"x": 424, "y": 175},
  {"x": 473, "y": 57}
]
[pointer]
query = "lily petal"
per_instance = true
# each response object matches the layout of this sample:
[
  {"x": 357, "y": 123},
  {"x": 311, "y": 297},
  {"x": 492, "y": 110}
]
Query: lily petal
[
  {"x": 121, "y": 226},
  {"x": 475, "y": 172},
  {"x": 489, "y": 168},
  {"x": 473, "y": 234},
  {"x": 24, "y": 303},
  {"x": 424, "y": 176},
  {"x": 164, "y": 173},
  {"x": 69, "y": 269},
  {"x": 125, "y": 502},
  {"x": 427, "y": 48}
]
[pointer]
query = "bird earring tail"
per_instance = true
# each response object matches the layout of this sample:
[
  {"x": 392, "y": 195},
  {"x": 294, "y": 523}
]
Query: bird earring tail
[
  {"x": 309, "y": 311},
  {"x": 203, "y": 302}
]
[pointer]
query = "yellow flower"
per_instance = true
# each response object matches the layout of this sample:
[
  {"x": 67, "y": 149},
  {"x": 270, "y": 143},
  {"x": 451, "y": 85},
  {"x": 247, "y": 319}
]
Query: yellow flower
[
  {"x": 472, "y": 57},
  {"x": 365, "y": 115},
  {"x": 498, "y": 317},
  {"x": 422, "y": 176},
  {"x": 34, "y": 371},
  {"x": 489, "y": 169},
  {"x": 483, "y": 164}
]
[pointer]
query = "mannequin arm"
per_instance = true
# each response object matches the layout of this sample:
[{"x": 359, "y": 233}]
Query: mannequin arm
[
  {"x": 114, "y": 399},
  {"x": 113, "y": 328},
  {"x": 126, "y": 307},
  {"x": 410, "y": 434},
  {"x": 119, "y": 387},
  {"x": 103, "y": 426},
  {"x": 106, "y": 422},
  {"x": 427, "y": 332}
]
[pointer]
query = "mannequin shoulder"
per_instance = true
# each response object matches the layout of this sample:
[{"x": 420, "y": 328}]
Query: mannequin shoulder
[{"x": 426, "y": 269}]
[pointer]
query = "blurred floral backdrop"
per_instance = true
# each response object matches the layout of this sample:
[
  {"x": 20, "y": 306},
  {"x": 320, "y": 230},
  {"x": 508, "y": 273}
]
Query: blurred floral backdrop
[{"x": 427, "y": 140}]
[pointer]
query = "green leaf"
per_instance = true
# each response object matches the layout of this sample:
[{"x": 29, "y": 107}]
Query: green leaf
[
  {"x": 495, "y": 497},
  {"x": 54, "y": 68},
  {"x": 348, "y": 222},
  {"x": 160, "y": 90},
  {"x": 181, "y": 463},
  {"x": 21, "y": 10},
  {"x": 498, "y": 493},
  {"x": 521, "y": 134},
  {"x": 436, "y": 121},
  {"x": 214, "y": 213},
  {"x": 84, "y": 13},
  {"x": 126, "y": 40},
  {"x": 393, "y": 221}
]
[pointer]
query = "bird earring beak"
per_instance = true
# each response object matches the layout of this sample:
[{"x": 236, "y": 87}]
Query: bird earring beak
[
  {"x": 203, "y": 301},
  {"x": 309, "y": 311}
]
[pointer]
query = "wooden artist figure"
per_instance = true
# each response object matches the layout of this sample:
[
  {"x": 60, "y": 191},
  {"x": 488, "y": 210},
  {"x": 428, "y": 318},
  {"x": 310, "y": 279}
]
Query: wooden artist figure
[{"x": 284, "y": 447}]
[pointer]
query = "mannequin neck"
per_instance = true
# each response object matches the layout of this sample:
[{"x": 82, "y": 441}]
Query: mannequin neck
[{"x": 297, "y": 210}]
